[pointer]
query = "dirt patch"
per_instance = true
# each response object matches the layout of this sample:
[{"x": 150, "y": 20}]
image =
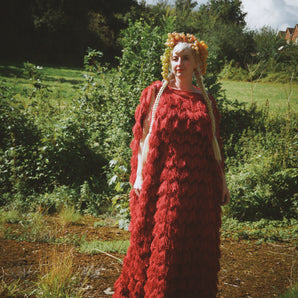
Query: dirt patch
[{"x": 248, "y": 269}]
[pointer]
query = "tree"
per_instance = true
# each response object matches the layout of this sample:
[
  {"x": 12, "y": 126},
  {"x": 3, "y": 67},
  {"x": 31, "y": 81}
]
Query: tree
[
  {"x": 74, "y": 25},
  {"x": 224, "y": 12},
  {"x": 267, "y": 43},
  {"x": 16, "y": 30},
  {"x": 221, "y": 23},
  {"x": 183, "y": 11},
  {"x": 60, "y": 31},
  {"x": 288, "y": 58}
]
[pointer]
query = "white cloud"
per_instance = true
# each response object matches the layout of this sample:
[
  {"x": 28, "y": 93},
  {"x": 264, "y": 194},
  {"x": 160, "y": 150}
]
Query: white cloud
[{"x": 278, "y": 14}]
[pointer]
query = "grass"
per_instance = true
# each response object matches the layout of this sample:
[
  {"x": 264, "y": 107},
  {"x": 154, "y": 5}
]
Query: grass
[
  {"x": 63, "y": 83},
  {"x": 276, "y": 93},
  {"x": 262, "y": 230},
  {"x": 10, "y": 216},
  {"x": 116, "y": 246},
  {"x": 68, "y": 215},
  {"x": 66, "y": 83},
  {"x": 58, "y": 277},
  {"x": 11, "y": 290},
  {"x": 291, "y": 292}
]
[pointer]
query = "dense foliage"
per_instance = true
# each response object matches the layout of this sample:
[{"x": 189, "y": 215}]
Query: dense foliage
[
  {"x": 59, "y": 32},
  {"x": 78, "y": 154}
]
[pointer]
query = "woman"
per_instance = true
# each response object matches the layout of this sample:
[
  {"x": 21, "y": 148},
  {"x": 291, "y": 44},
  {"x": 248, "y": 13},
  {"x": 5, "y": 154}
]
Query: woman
[{"x": 179, "y": 183}]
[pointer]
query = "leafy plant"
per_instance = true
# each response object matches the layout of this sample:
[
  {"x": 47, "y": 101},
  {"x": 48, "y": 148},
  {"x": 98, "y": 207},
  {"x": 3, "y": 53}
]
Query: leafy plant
[
  {"x": 92, "y": 60},
  {"x": 10, "y": 216},
  {"x": 262, "y": 176},
  {"x": 32, "y": 71}
]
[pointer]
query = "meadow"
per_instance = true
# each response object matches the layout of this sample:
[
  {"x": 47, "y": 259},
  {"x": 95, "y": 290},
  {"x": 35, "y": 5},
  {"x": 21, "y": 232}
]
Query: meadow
[
  {"x": 278, "y": 95},
  {"x": 64, "y": 83}
]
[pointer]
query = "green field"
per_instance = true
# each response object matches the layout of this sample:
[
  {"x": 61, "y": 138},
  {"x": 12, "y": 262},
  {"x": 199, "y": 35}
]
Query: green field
[
  {"x": 65, "y": 83},
  {"x": 276, "y": 93}
]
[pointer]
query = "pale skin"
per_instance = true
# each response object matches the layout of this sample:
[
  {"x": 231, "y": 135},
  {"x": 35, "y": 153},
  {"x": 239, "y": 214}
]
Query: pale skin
[{"x": 183, "y": 64}]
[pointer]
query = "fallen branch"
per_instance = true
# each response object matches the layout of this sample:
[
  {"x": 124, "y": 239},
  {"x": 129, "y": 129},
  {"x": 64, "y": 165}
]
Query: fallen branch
[{"x": 109, "y": 255}]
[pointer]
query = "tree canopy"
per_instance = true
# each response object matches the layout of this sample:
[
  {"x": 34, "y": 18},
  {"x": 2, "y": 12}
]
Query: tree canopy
[{"x": 61, "y": 31}]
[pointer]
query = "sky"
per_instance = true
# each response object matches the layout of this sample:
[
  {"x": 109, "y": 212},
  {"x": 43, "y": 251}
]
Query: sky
[{"x": 278, "y": 14}]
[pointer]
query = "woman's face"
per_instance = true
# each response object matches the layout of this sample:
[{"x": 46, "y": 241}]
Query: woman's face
[{"x": 183, "y": 63}]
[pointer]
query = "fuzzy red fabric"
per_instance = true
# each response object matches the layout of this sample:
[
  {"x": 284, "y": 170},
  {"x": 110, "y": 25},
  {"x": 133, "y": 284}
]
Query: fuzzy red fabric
[{"x": 175, "y": 221}]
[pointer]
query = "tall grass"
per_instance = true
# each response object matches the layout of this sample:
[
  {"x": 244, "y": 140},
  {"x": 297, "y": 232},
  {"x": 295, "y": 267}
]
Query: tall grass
[
  {"x": 58, "y": 277},
  {"x": 68, "y": 215}
]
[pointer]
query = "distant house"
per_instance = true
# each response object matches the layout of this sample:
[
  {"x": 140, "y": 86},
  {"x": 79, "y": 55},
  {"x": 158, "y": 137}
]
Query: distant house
[{"x": 291, "y": 34}]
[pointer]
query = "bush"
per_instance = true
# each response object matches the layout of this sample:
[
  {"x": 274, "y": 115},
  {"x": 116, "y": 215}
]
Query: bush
[
  {"x": 230, "y": 72},
  {"x": 43, "y": 148},
  {"x": 262, "y": 174},
  {"x": 113, "y": 98},
  {"x": 18, "y": 146}
]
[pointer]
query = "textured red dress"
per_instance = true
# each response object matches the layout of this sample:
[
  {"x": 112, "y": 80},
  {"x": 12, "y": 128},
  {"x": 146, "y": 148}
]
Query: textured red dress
[{"x": 175, "y": 221}]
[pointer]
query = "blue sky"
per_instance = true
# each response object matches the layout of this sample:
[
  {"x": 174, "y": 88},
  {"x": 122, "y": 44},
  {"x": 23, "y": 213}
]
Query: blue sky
[{"x": 278, "y": 14}]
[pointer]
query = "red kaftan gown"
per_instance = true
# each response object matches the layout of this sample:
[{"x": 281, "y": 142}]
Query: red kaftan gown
[{"x": 175, "y": 221}]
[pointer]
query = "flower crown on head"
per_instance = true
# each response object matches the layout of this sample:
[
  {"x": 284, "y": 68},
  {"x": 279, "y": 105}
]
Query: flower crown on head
[{"x": 199, "y": 47}]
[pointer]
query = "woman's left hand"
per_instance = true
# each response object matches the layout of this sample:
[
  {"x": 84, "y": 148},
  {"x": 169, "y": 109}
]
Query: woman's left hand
[{"x": 225, "y": 191}]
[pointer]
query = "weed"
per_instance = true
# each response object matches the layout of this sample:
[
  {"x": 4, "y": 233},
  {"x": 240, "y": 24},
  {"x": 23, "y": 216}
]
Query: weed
[
  {"x": 73, "y": 239},
  {"x": 100, "y": 223},
  {"x": 69, "y": 215},
  {"x": 10, "y": 290},
  {"x": 37, "y": 229},
  {"x": 291, "y": 292},
  {"x": 33, "y": 228},
  {"x": 262, "y": 230},
  {"x": 57, "y": 276},
  {"x": 11, "y": 216}
]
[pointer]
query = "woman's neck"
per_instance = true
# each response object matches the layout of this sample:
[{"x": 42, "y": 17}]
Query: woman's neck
[{"x": 182, "y": 85}]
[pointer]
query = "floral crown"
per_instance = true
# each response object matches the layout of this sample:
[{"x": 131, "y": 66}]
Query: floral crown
[{"x": 174, "y": 38}]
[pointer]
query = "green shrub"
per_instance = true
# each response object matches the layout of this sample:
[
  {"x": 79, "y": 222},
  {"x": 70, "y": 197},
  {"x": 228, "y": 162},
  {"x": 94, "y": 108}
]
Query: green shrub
[
  {"x": 18, "y": 146},
  {"x": 262, "y": 174},
  {"x": 43, "y": 147},
  {"x": 230, "y": 72},
  {"x": 32, "y": 71},
  {"x": 111, "y": 99}
]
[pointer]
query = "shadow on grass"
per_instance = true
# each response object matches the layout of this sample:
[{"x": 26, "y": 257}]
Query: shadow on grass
[{"x": 11, "y": 71}]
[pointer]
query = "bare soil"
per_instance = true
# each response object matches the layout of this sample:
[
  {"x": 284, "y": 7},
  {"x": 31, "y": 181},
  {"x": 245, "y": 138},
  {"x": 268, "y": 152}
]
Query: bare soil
[{"x": 248, "y": 269}]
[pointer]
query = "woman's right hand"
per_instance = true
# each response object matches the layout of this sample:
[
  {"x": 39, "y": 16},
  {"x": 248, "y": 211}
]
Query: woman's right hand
[
  {"x": 143, "y": 148},
  {"x": 138, "y": 184}
]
